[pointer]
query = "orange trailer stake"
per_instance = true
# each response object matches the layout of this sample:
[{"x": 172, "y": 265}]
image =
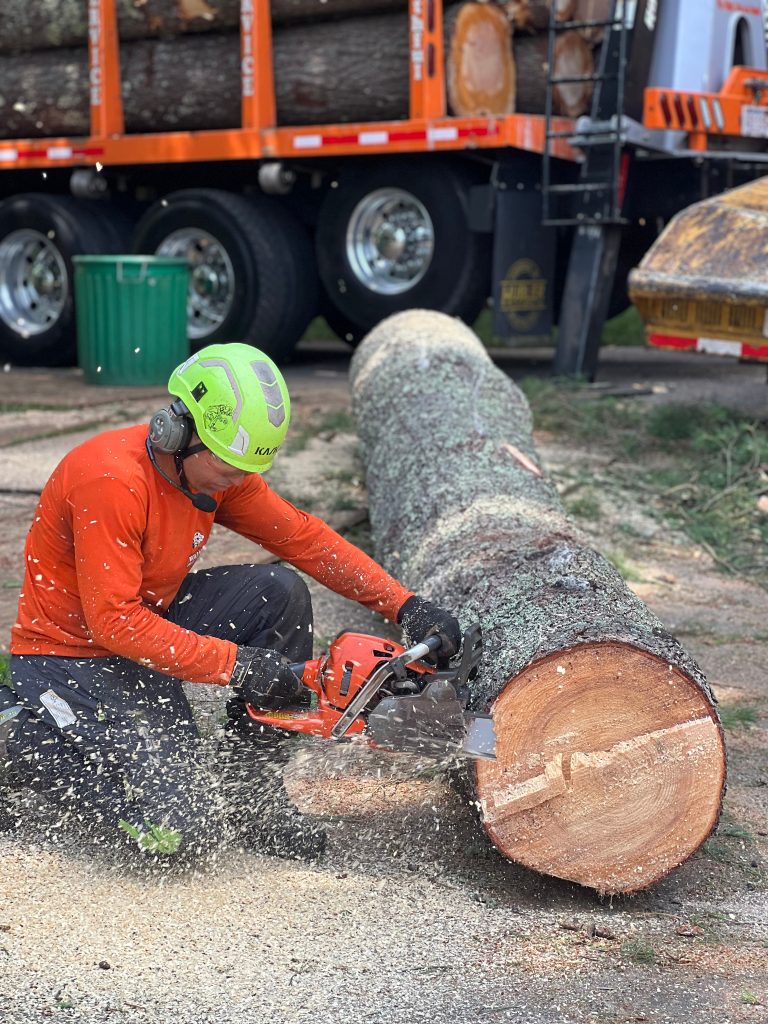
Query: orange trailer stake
[
  {"x": 256, "y": 70},
  {"x": 427, "y": 59},
  {"x": 106, "y": 99}
]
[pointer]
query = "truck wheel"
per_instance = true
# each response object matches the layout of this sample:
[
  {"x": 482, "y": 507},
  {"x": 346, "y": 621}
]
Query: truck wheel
[
  {"x": 397, "y": 236},
  {"x": 249, "y": 276},
  {"x": 39, "y": 235}
]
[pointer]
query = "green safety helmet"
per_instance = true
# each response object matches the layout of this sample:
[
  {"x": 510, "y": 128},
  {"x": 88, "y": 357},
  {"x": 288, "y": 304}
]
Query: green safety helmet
[{"x": 239, "y": 401}]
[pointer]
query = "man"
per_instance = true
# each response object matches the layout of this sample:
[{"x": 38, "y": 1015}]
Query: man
[{"x": 111, "y": 620}]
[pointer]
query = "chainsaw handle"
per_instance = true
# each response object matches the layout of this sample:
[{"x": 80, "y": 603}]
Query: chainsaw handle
[{"x": 431, "y": 645}]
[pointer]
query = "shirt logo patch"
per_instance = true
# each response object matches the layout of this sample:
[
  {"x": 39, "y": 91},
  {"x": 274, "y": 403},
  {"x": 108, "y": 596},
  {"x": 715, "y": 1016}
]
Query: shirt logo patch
[{"x": 198, "y": 543}]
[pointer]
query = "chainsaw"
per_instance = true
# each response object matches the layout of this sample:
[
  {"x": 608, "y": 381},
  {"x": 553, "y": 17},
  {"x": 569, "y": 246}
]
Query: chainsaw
[{"x": 388, "y": 695}]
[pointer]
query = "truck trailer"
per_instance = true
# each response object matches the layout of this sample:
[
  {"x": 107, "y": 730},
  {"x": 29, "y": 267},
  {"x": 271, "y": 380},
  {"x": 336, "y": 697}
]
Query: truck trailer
[{"x": 542, "y": 215}]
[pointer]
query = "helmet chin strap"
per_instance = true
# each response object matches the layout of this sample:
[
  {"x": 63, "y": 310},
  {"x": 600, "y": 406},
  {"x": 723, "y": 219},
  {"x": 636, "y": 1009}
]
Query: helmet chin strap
[
  {"x": 191, "y": 449},
  {"x": 203, "y": 502}
]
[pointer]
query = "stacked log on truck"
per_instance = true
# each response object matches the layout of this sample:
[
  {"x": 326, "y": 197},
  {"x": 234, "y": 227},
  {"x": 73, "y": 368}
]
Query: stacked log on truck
[
  {"x": 610, "y": 765},
  {"x": 334, "y": 61}
]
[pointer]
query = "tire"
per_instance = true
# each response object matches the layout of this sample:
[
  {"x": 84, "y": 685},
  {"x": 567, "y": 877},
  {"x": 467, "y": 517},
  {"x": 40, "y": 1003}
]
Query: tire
[
  {"x": 397, "y": 236},
  {"x": 252, "y": 268},
  {"x": 39, "y": 235}
]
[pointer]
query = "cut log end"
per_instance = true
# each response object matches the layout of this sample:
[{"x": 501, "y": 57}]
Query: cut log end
[
  {"x": 610, "y": 769},
  {"x": 481, "y": 73}
]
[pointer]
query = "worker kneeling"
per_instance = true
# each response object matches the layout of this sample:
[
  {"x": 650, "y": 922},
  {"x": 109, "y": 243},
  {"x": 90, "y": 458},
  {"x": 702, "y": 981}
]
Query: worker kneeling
[{"x": 111, "y": 620}]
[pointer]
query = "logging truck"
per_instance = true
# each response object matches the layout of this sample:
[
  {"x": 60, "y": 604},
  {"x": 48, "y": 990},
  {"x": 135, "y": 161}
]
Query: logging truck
[{"x": 358, "y": 157}]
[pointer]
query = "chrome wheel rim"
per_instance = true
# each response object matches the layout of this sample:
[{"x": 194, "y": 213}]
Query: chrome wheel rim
[
  {"x": 34, "y": 286},
  {"x": 390, "y": 241},
  {"x": 211, "y": 278}
]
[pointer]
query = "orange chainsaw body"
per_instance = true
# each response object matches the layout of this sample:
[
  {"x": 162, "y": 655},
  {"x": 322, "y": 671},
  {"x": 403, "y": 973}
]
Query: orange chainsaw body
[{"x": 335, "y": 678}]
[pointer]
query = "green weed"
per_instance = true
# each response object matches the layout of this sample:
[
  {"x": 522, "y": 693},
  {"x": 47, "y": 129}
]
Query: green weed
[
  {"x": 737, "y": 714},
  {"x": 340, "y": 420},
  {"x": 345, "y": 476},
  {"x": 734, "y": 831},
  {"x": 717, "y": 851},
  {"x": 711, "y": 935},
  {"x": 626, "y": 329},
  {"x": 638, "y": 951},
  {"x": 586, "y": 507},
  {"x": 342, "y": 504},
  {"x": 677, "y": 421},
  {"x": 702, "y": 468},
  {"x": 626, "y": 570},
  {"x": 749, "y": 998},
  {"x": 318, "y": 330}
]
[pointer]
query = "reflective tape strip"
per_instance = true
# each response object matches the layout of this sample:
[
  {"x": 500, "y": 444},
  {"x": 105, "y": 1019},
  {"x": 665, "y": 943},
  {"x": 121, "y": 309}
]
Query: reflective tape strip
[
  {"x": 439, "y": 133},
  {"x": 706, "y": 117},
  {"x": 373, "y": 138},
  {"x": 710, "y": 346},
  {"x": 719, "y": 347},
  {"x": 718, "y": 111},
  {"x": 307, "y": 141},
  {"x": 442, "y": 134},
  {"x": 273, "y": 395}
]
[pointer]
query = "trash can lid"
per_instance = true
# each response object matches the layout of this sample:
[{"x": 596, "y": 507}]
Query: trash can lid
[{"x": 132, "y": 258}]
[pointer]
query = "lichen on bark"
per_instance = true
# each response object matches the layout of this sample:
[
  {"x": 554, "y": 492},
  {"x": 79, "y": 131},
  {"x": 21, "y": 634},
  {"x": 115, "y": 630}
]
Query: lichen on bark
[{"x": 457, "y": 515}]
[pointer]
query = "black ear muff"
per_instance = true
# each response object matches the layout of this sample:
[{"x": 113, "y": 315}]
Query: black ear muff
[{"x": 170, "y": 430}]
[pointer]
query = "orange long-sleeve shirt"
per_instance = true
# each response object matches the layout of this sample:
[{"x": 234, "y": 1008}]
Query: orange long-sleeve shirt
[{"x": 111, "y": 543}]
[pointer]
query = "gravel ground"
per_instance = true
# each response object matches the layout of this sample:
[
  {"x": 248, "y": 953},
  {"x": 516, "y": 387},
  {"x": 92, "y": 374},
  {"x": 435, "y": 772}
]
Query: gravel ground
[{"x": 410, "y": 916}]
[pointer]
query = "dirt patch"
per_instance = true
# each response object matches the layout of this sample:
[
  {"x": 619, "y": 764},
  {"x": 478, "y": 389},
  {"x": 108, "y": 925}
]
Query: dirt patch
[{"x": 412, "y": 916}]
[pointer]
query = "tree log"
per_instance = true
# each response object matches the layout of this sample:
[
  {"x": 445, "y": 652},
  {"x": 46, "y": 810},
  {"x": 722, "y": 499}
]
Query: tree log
[
  {"x": 481, "y": 71},
  {"x": 533, "y": 15},
  {"x": 572, "y": 57},
  {"x": 323, "y": 72},
  {"x": 593, "y": 10},
  {"x": 55, "y": 23},
  {"x": 611, "y": 759}
]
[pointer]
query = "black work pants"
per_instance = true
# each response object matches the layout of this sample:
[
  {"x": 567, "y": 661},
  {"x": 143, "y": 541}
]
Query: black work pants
[{"x": 110, "y": 740}]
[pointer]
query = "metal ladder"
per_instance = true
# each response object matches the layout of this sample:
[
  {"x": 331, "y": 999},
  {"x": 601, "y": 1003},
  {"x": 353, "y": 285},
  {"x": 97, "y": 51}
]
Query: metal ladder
[
  {"x": 591, "y": 204},
  {"x": 595, "y": 198}
]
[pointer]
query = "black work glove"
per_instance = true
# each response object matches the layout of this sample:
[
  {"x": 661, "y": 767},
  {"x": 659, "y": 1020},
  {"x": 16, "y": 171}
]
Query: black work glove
[
  {"x": 264, "y": 679},
  {"x": 421, "y": 619}
]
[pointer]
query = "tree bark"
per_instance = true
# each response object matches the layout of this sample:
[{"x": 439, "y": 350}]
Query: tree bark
[
  {"x": 593, "y": 10},
  {"x": 56, "y": 23},
  {"x": 481, "y": 71},
  {"x": 573, "y": 57},
  {"x": 321, "y": 75},
  {"x": 611, "y": 760},
  {"x": 324, "y": 72},
  {"x": 533, "y": 15}
]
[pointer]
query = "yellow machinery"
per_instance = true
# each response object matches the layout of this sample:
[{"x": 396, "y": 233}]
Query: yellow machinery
[{"x": 703, "y": 285}]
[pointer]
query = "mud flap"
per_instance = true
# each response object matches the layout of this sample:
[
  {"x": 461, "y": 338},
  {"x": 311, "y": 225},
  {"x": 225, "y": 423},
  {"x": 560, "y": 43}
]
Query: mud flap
[{"x": 523, "y": 269}]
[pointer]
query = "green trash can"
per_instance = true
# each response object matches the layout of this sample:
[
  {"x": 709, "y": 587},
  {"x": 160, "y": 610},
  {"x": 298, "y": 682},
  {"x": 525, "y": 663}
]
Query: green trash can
[{"x": 131, "y": 317}]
